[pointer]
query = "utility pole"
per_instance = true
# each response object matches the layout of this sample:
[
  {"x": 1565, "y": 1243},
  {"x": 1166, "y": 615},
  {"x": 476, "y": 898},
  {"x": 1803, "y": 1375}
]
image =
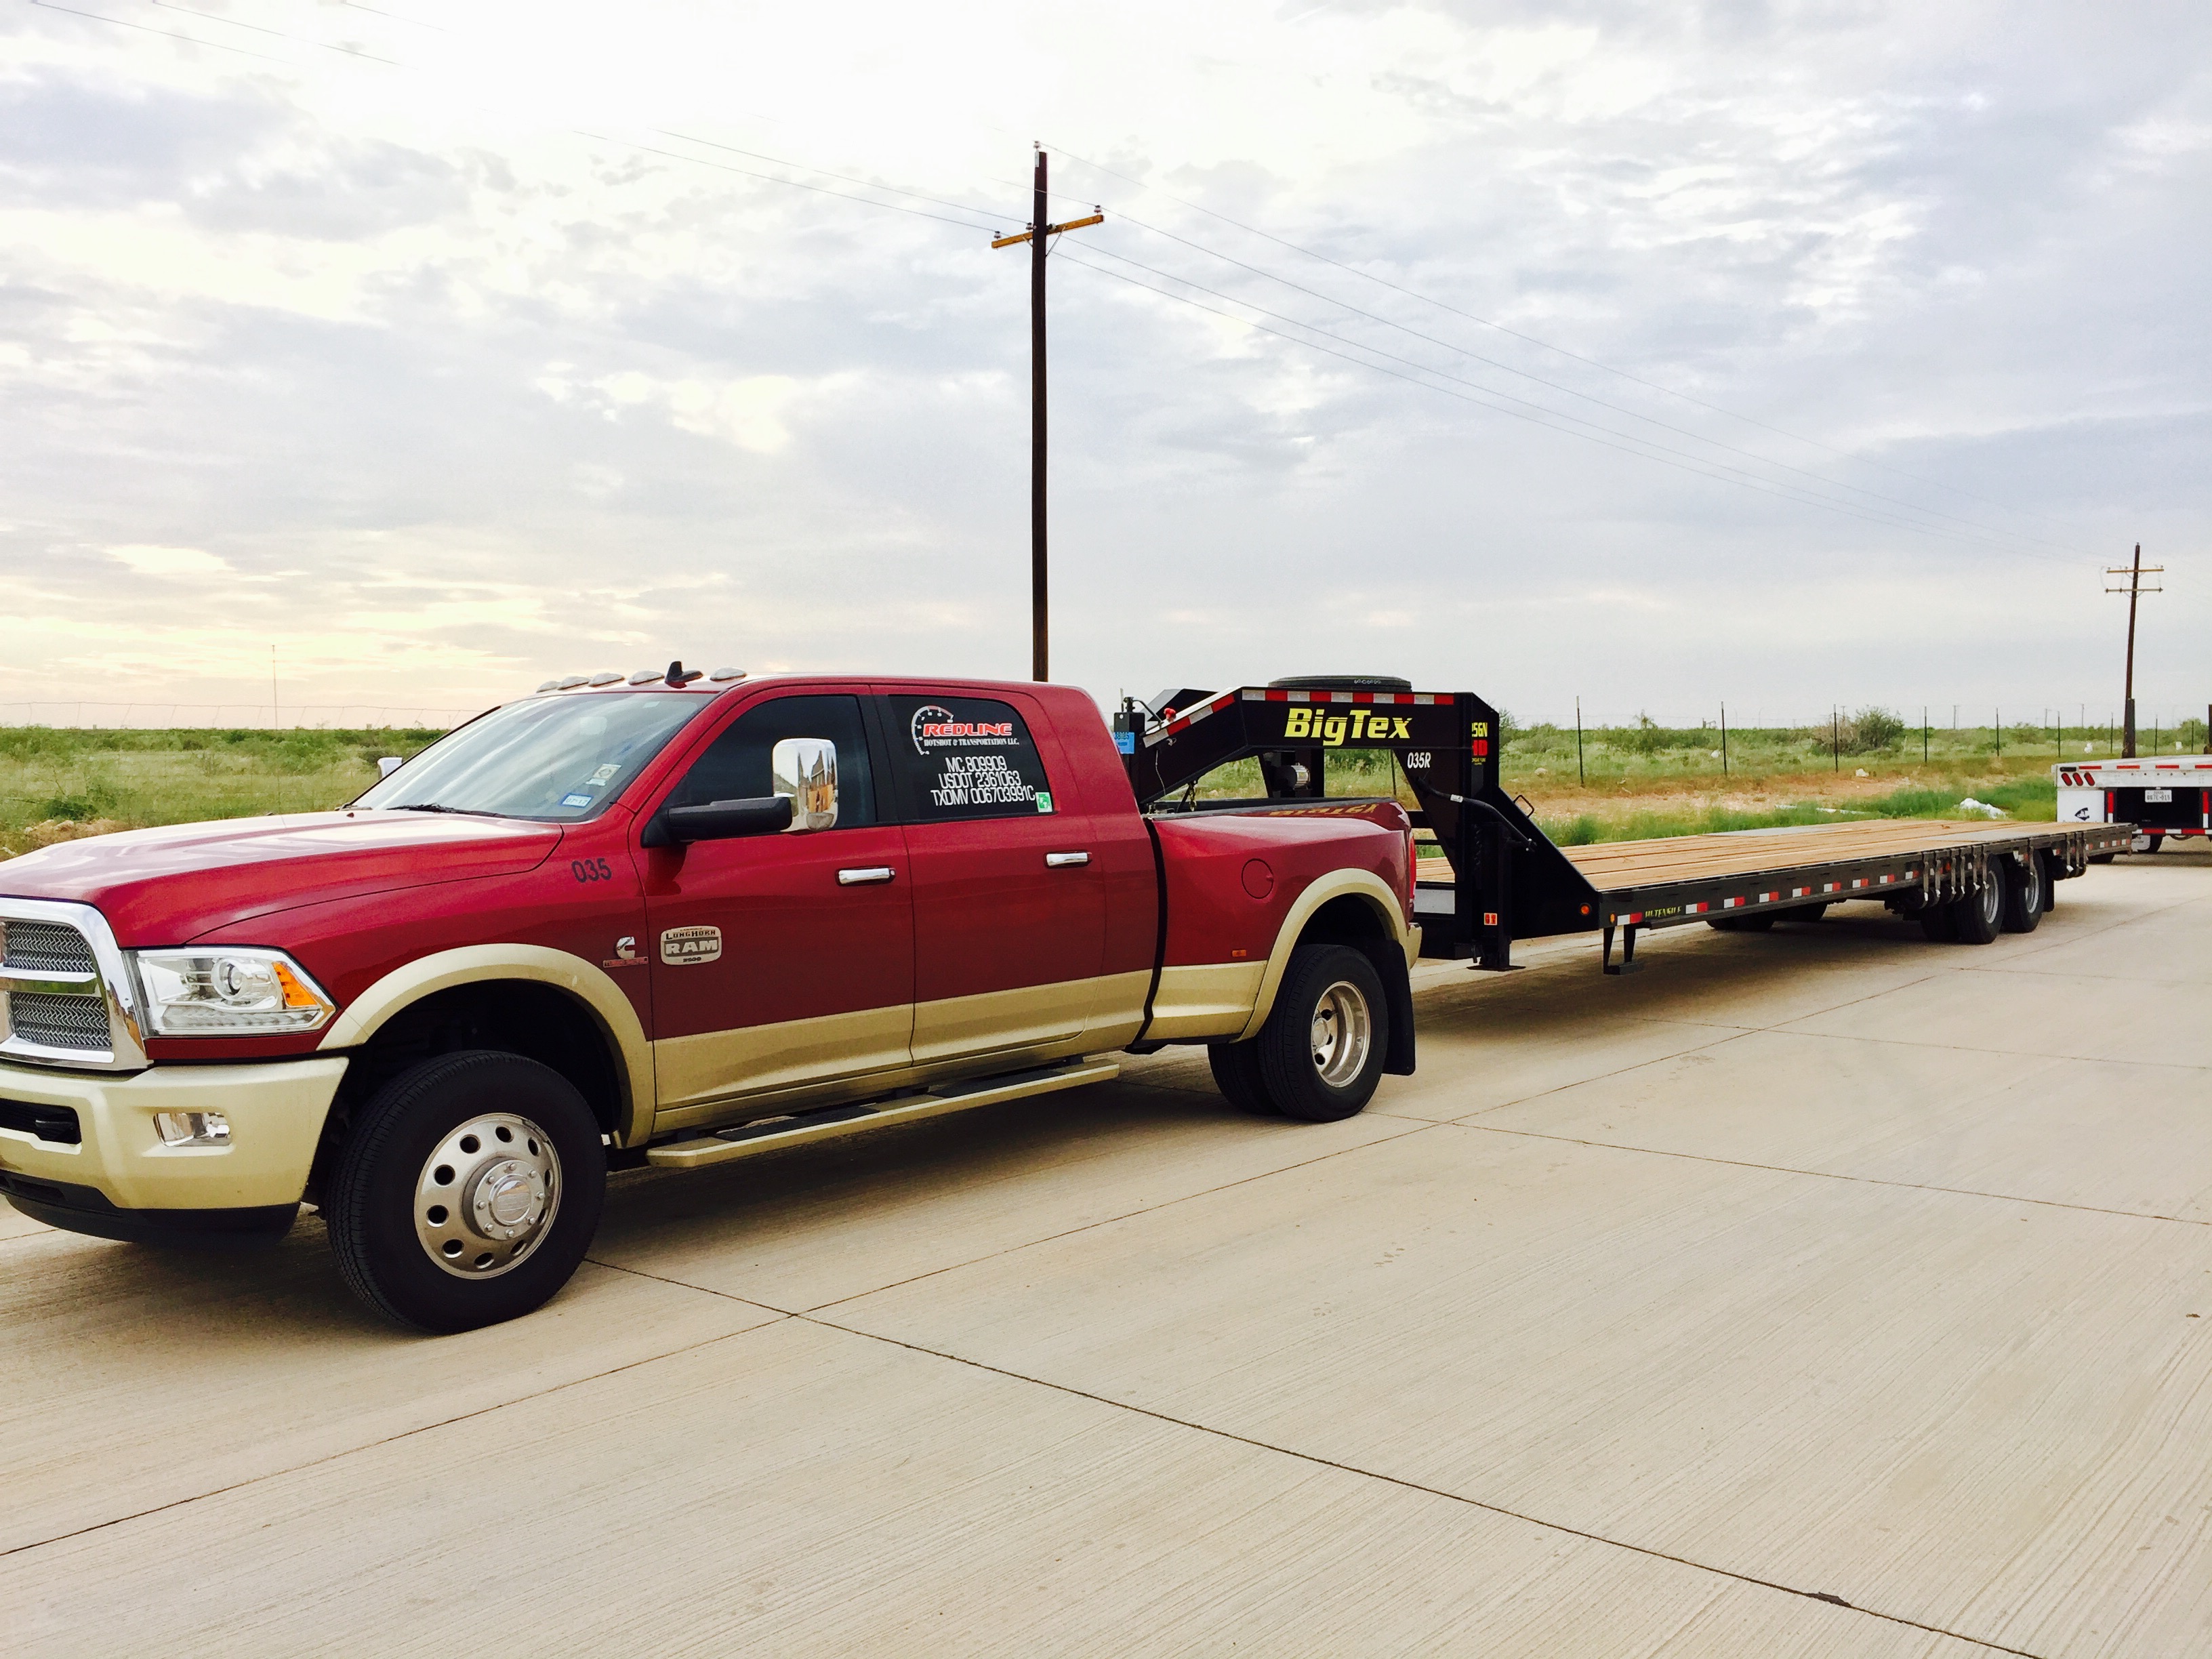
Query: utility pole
[
  {"x": 1036, "y": 236},
  {"x": 1581, "y": 777},
  {"x": 2135, "y": 590}
]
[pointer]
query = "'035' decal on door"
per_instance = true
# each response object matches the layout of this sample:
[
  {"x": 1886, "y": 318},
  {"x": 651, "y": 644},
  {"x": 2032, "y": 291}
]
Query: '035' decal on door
[{"x": 683, "y": 947}]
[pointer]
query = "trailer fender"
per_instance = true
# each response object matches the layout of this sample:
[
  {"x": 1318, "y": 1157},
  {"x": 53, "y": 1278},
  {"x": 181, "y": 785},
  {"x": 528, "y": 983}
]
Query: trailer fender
[
  {"x": 1391, "y": 936},
  {"x": 586, "y": 982}
]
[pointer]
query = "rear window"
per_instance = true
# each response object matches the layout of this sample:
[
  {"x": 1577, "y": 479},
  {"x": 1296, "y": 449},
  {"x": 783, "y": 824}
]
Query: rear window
[{"x": 957, "y": 758}]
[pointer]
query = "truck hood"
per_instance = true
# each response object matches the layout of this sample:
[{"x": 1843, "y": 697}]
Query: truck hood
[{"x": 167, "y": 886}]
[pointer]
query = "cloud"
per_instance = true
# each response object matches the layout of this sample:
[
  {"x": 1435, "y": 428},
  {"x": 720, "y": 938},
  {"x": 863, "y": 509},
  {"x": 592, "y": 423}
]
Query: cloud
[
  {"x": 500, "y": 400},
  {"x": 175, "y": 563}
]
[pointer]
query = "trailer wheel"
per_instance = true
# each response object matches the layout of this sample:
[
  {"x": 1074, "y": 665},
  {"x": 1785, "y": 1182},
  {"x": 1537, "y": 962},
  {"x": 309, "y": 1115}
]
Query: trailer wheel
[
  {"x": 2025, "y": 890},
  {"x": 2146, "y": 843},
  {"x": 2046, "y": 867},
  {"x": 1321, "y": 1050},
  {"x": 1979, "y": 917},
  {"x": 1236, "y": 1067},
  {"x": 1759, "y": 923},
  {"x": 467, "y": 1192},
  {"x": 2102, "y": 858}
]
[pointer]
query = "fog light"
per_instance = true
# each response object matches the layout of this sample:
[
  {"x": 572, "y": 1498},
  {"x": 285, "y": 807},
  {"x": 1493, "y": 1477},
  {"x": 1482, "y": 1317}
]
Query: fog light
[{"x": 193, "y": 1129}]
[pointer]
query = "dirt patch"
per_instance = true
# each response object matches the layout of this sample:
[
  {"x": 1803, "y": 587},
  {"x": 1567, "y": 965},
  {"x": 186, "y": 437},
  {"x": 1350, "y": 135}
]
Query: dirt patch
[{"x": 49, "y": 832}]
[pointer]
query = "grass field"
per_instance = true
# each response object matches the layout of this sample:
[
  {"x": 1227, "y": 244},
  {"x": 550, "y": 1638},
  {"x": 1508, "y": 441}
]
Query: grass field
[
  {"x": 58, "y": 783},
  {"x": 1630, "y": 782}
]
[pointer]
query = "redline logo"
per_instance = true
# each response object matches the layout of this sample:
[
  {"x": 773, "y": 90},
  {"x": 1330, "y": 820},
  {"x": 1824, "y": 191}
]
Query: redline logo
[{"x": 932, "y": 724}]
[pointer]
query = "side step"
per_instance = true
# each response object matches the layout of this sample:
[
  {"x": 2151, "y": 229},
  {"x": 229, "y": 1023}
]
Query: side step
[{"x": 829, "y": 1122}]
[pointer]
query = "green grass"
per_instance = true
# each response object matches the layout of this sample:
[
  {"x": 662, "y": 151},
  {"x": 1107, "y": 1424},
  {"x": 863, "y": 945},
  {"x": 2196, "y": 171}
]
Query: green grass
[{"x": 50, "y": 775}]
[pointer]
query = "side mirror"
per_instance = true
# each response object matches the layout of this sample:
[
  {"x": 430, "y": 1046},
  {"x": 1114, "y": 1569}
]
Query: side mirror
[
  {"x": 804, "y": 770},
  {"x": 387, "y": 764},
  {"x": 720, "y": 820}
]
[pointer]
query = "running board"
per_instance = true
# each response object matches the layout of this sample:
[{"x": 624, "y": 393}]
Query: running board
[{"x": 829, "y": 1122}]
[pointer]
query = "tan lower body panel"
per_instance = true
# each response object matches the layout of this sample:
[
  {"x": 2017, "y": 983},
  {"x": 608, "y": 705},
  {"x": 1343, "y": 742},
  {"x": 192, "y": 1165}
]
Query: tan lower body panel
[
  {"x": 1211, "y": 1000},
  {"x": 720, "y": 1077},
  {"x": 716, "y": 1065}
]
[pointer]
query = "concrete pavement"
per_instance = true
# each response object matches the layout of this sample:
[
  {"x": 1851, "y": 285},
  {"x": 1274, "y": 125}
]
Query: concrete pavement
[{"x": 1823, "y": 1291}]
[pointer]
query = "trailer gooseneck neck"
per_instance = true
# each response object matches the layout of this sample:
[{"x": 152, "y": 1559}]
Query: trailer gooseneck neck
[{"x": 1501, "y": 878}]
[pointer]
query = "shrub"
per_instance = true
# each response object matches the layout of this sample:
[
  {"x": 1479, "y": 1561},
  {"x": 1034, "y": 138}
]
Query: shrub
[{"x": 1872, "y": 728}]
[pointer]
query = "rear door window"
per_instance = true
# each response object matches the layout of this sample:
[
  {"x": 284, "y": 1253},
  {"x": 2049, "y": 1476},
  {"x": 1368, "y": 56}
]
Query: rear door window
[
  {"x": 957, "y": 758},
  {"x": 736, "y": 766}
]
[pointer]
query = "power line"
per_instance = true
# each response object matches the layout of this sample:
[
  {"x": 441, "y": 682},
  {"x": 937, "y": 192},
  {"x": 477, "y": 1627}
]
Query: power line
[
  {"x": 1650, "y": 451},
  {"x": 1653, "y": 386},
  {"x": 1556, "y": 386},
  {"x": 1780, "y": 492}
]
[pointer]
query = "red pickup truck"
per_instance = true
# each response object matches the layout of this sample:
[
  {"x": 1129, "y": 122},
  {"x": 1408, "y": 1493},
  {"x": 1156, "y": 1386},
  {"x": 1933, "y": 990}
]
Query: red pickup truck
[{"x": 671, "y": 918}]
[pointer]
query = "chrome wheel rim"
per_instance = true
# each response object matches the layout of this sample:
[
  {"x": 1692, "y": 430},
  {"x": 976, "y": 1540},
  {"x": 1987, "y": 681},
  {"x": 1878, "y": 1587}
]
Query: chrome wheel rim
[
  {"x": 487, "y": 1195},
  {"x": 1342, "y": 1030},
  {"x": 1993, "y": 898}
]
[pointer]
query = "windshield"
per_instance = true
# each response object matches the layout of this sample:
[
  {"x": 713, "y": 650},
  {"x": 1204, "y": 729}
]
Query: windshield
[{"x": 557, "y": 758}]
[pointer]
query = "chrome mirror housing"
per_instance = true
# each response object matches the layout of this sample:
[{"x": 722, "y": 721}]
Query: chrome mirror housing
[
  {"x": 805, "y": 770},
  {"x": 387, "y": 764}
]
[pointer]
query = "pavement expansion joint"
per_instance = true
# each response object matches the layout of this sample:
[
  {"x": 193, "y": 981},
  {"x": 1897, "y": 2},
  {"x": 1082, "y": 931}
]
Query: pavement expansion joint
[
  {"x": 1827, "y": 1597},
  {"x": 1831, "y": 1175},
  {"x": 370, "y": 1445}
]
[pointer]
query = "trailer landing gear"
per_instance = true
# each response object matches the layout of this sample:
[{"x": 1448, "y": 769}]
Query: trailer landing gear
[{"x": 1628, "y": 963}]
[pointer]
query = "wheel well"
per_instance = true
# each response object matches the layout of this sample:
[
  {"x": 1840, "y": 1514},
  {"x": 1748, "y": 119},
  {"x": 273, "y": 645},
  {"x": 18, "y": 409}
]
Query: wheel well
[
  {"x": 1349, "y": 918},
  {"x": 519, "y": 1016}
]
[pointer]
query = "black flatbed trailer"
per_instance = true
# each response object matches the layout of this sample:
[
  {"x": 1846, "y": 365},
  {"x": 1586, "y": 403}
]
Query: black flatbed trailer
[{"x": 1500, "y": 877}]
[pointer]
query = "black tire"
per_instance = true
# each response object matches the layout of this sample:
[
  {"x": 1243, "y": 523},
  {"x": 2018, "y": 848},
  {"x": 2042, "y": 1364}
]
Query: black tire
[
  {"x": 1979, "y": 916},
  {"x": 2046, "y": 867},
  {"x": 2024, "y": 888},
  {"x": 1808, "y": 912},
  {"x": 1236, "y": 1074},
  {"x": 2156, "y": 842},
  {"x": 386, "y": 1170},
  {"x": 2102, "y": 858},
  {"x": 1759, "y": 923},
  {"x": 1937, "y": 923},
  {"x": 1336, "y": 986}
]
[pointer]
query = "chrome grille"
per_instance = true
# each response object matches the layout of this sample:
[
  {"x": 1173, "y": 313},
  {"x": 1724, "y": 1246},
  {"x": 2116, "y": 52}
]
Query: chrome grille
[
  {"x": 46, "y": 947},
  {"x": 59, "y": 1022}
]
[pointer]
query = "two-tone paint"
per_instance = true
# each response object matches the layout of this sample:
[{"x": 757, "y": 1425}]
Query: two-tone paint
[{"x": 992, "y": 945}]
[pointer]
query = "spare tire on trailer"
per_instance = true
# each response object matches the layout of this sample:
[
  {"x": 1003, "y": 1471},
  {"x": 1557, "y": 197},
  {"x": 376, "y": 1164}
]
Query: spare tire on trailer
[
  {"x": 1807, "y": 913},
  {"x": 1341, "y": 682}
]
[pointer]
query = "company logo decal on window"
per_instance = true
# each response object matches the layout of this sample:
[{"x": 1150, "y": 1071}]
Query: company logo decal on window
[
  {"x": 973, "y": 759},
  {"x": 937, "y": 729}
]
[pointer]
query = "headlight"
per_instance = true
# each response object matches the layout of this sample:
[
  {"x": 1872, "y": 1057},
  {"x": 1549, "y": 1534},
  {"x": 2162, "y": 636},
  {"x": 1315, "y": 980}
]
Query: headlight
[{"x": 228, "y": 992}]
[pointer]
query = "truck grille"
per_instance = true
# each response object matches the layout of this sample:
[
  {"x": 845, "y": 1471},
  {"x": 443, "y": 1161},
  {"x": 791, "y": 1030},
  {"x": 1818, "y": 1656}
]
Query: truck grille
[
  {"x": 64, "y": 1021},
  {"x": 45, "y": 947},
  {"x": 59, "y": 1021}
]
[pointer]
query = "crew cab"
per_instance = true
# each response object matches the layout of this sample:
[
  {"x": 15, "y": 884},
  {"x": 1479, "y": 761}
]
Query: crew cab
[{"x": 667, "y": 917}]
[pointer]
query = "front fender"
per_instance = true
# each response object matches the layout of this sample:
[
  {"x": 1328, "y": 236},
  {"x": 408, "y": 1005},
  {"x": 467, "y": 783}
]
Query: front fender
[{"x": 475, "y": 963}]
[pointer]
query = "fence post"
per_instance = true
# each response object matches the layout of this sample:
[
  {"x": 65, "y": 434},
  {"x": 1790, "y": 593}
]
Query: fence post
[{"x": 1581, "y": 777}]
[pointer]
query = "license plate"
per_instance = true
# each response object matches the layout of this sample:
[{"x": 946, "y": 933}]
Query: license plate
[{"x": 2163, "y": 796}]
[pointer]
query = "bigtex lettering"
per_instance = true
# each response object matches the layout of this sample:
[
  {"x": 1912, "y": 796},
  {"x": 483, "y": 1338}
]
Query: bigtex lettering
[{"x": 1360, "y": 725}]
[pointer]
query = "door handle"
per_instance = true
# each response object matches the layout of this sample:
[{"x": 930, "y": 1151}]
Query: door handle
[
  {"x": 1062, "y": 860},
  {"x": 862, "y": 877}
]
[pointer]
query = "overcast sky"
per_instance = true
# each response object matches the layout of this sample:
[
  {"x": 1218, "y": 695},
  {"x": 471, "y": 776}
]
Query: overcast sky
[{"x": 1782, "y": 354}]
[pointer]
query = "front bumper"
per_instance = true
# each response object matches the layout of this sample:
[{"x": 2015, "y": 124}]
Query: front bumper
[{"x": 120, "y": 1163}]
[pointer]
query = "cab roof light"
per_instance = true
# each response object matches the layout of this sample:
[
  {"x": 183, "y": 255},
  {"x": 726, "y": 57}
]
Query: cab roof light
[
  {"x": 645, "y": 677},
  {"x": 568, "y": 682},
  {"x": 548, "y": 686},
  {"x": 726, "y": 674},
  {"x": 604, "y": 679}
]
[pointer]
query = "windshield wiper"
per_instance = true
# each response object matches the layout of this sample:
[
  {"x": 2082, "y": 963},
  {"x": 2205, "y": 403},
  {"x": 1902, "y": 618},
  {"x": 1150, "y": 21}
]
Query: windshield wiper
[{"x": 429, "y": 806}]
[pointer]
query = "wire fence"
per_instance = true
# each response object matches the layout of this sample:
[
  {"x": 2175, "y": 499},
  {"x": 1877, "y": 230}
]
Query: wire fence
[{"x": 91, "y": 715}]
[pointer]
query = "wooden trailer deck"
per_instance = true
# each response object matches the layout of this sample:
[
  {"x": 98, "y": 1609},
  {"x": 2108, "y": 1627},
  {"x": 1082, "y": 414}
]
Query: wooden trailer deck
[{"x": 1628, "y": 866}]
